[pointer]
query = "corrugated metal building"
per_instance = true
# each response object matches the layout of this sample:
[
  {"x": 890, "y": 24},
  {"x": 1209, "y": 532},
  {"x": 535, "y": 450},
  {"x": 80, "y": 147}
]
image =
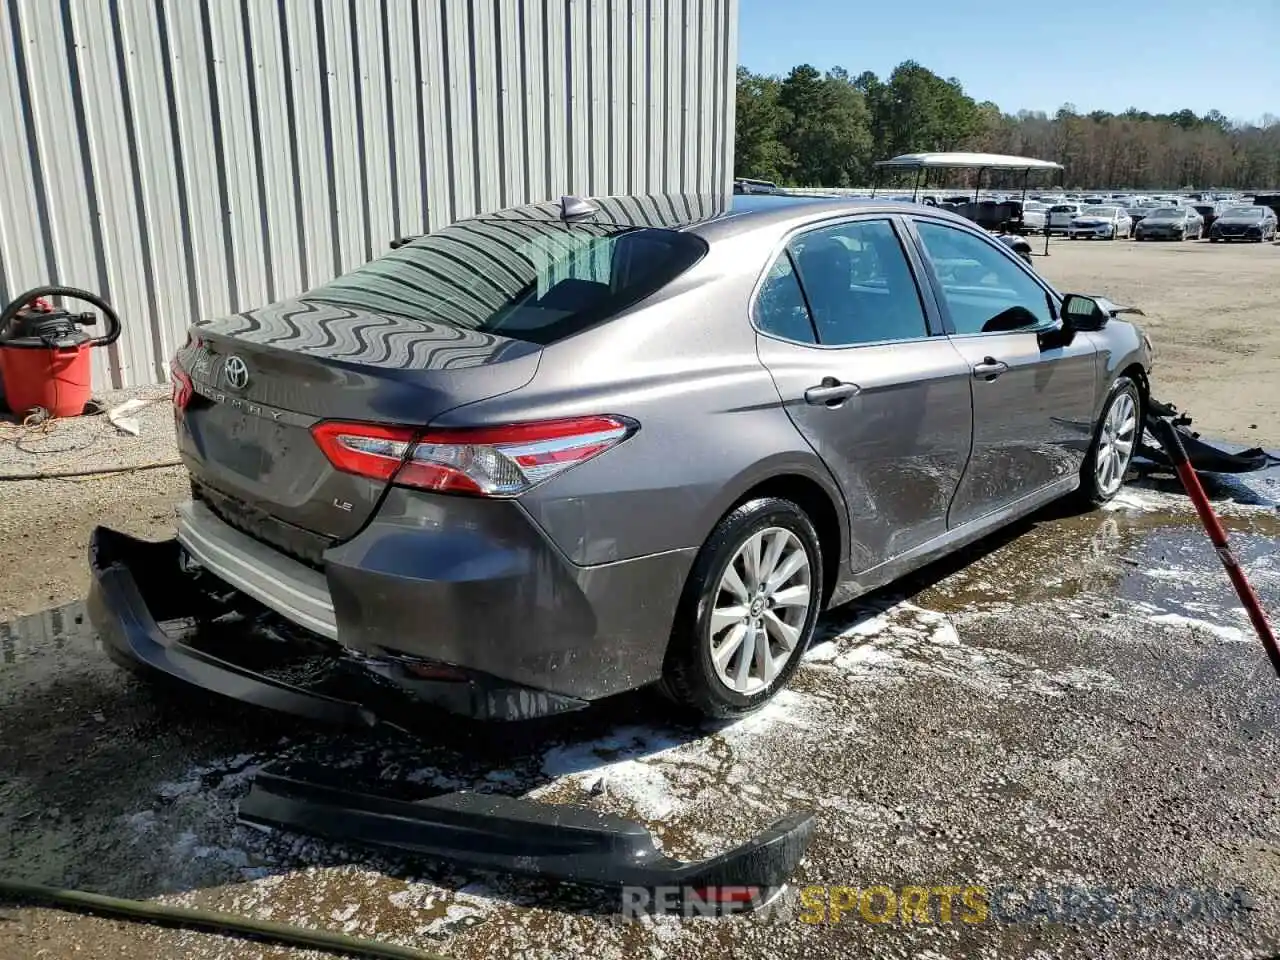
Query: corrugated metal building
[{"x": 188, "y": 158}]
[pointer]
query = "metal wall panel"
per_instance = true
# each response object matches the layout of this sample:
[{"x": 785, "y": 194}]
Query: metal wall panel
[{"x": 190, "y": 158}]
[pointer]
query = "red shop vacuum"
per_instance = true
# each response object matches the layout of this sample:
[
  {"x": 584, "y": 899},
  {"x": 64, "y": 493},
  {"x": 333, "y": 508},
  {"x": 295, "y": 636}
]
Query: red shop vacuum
[{"x": 45, "y": 354}]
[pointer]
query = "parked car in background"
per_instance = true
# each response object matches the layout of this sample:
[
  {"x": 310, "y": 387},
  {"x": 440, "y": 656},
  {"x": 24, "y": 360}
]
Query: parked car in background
[
  {"x": 747, "y": 185},
  {"x": 1060, "y": 215},
  {"x": 1170, "y": 223},
  {"x": 1138, "y": 212},
  {"x": 1033, "y": 216},
  {"x": 1255, "y": 223},
  {"x": 551, "y": 453},
  {"x": 1100, "y": 222}
]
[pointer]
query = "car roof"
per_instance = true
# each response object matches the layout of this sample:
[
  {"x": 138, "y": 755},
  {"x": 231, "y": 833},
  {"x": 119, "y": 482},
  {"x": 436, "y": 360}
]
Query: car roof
[
  {"x": 722, "y": 214},
  {"x": 745, "y": 216}
]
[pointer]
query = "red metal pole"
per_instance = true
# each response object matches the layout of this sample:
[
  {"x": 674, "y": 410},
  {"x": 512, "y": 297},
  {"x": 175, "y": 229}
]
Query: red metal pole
[{"x": 1172, "y": 443}]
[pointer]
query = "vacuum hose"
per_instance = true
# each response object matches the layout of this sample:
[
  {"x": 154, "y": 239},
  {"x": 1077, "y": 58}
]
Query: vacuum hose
[
  {"x": 219, "y": 923},
  {"x": 75, "y": 293}
]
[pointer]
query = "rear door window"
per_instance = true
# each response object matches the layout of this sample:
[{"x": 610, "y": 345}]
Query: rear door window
[
  {"x": 780, "y": 309},
  {"x": 532, "y": 280},
  {"x": 858, "y": 284}
]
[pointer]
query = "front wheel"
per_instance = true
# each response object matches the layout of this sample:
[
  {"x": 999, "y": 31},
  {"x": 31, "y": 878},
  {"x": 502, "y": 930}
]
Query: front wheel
[
  {"x": 748, "y": 611},
  {"x": 1118, "y": 433}
]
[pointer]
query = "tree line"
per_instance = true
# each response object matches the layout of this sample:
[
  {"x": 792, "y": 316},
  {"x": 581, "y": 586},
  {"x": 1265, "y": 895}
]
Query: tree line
[{"x": 826, "y": 130}]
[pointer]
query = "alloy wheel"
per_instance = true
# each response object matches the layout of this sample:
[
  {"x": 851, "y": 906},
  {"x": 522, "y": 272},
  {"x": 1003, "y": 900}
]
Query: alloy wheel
[
  {"x": 1115, "y": 443},
  {"x": 759, "y": 610}
]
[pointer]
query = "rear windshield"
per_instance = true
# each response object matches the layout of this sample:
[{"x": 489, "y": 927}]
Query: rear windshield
[{"x": 538, "y": 281}]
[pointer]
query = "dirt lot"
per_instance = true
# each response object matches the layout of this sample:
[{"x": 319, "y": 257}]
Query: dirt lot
[
  {"x": 1211, "y": 311},
  {"x": 1076, "y": 704}
]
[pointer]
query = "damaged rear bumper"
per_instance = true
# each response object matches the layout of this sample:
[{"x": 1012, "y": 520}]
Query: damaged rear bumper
[
  {"x": 136, "y": 585},
  {"x": 127, "y": 624}
]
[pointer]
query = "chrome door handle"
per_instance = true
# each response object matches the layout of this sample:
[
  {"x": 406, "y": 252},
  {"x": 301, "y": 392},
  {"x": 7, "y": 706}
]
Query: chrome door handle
[
  {"x": 830, "y": 392},
  {"x": 989, "y": 368}
]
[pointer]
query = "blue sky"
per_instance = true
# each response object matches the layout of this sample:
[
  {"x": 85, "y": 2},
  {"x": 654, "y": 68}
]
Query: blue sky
[{"x": 1151, "y": 54}]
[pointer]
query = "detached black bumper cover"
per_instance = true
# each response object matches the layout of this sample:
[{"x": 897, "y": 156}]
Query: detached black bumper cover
[
  {"x": 571, "y": 844},
  {"x": 1202, "y": 455},
  {"x": 127, "y": 625}
]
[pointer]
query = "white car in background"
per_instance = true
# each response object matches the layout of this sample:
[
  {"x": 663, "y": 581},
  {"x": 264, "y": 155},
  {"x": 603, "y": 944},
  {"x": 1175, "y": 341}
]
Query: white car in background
[
  {"x": 1033, "y": 216},
  {"x": 1061, "y": 215},
  {"x": 1105, "y": 222}
]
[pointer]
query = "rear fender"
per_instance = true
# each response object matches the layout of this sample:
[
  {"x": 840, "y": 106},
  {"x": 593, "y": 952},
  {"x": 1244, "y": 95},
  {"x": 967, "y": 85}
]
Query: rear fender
[{"x": 773, "y": 468}]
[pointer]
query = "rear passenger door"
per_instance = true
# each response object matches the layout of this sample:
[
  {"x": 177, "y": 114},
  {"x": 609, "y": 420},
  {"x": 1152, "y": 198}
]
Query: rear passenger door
[
  {"x": 1033, "y": 395},
  {"x": 868, "y": 378}
]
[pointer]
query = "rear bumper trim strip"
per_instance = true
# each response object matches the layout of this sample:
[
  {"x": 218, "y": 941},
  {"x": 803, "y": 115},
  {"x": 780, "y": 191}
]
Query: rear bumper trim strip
[{"x": 288, "y": 587}]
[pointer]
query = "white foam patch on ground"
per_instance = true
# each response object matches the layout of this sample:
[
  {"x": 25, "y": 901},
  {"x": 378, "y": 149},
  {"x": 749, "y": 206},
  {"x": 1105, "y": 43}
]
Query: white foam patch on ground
[
  {"x": 1222, "y": 632},
  {"x": 625, "y": 764},
  {"x": 905, "y": 640},
  {"x": 1246, "y": 495},
  {"x": 1144, "y": 500}
]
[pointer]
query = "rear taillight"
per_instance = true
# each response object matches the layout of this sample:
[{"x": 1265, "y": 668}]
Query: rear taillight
[
  {"x": 183, "y": 388},
  {"x": 486, "y": 461},
  {"x": 367, "y": 450}
]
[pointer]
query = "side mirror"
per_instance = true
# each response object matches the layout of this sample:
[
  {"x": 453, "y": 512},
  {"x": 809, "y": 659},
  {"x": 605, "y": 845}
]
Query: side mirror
[{"x": 1083, "y": 313}]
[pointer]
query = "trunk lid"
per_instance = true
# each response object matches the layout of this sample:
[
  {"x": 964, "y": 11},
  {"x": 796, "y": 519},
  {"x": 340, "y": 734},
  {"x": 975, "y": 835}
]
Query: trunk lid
[{"x": 261, "y": 379}]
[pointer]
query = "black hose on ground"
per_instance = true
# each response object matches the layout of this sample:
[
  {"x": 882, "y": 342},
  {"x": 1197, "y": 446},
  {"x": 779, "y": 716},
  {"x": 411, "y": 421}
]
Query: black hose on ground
[
  {"x": 90, "y": 472},
  {"x": 224, "y": 924}
]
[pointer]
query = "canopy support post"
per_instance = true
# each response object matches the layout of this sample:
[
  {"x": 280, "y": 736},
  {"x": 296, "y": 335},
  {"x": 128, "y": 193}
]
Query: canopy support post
[{"x": 915, "y": 191}]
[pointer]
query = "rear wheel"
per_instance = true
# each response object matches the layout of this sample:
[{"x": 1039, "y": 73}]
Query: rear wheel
[
  {"x": 1117, "y": 435},
  {"x": 748, "y": 611}
]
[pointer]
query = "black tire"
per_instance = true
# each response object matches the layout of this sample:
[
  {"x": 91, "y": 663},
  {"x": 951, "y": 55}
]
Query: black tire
[
  {"x": 1213, "y": 239},
  {"x": 689, "y": 676},
  {"x": 1091, "y": 493}
]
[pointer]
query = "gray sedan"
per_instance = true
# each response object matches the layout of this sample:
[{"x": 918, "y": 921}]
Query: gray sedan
[
  {"x": 1170, "y": 223},
  {"x": 557, "y": 452}
]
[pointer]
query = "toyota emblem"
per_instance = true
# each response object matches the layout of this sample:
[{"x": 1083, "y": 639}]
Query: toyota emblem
[{"x": 237, "y": 373}]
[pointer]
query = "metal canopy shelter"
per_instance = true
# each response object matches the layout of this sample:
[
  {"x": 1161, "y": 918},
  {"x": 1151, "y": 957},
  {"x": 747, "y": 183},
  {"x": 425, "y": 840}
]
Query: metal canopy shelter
[{"x": 922, "y": 163}]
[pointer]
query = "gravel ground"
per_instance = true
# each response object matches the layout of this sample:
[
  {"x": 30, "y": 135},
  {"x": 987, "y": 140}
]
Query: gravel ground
[{"x": 1077, "y": 701}]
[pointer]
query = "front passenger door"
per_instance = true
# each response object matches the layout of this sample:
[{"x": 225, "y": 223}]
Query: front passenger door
[{"x": 1032, "y": 396}]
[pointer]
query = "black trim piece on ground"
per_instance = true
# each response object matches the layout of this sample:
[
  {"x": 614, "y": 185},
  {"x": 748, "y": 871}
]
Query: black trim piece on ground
[{"x": 551, "y": 841}]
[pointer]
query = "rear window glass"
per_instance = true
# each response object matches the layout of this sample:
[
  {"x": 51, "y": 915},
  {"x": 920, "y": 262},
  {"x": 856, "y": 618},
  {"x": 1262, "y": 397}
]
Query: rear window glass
[{"x": 538, "y": 281}]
